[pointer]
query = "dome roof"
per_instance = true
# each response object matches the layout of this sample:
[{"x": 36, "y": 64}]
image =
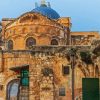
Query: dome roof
[{"x": 47, "y": 11}]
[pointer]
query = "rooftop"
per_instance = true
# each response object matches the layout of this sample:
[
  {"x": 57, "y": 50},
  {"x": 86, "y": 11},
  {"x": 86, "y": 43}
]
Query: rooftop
[{"x": 46, "y": 10}]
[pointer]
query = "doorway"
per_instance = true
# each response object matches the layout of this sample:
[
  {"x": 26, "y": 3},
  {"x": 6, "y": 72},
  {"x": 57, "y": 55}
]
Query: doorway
[
  {"x": 13, "y": 90},
  {"x": 90, "y": 89}
]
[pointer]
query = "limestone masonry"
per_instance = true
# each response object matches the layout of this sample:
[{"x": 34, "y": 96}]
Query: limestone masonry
[{"x": 34, "y": 60}]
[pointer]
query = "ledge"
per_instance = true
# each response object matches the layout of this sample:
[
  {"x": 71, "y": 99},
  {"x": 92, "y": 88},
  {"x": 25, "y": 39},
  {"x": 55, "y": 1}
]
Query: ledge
[{"x": 53, "y": 48}]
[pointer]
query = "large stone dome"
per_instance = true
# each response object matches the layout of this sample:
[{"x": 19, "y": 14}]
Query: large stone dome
[{"x": 47, "y": 11}]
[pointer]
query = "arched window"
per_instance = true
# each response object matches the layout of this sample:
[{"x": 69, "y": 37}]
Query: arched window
[
  {"x": 30, "y": 42},
  {"x": 10, "y": 45},
  {"x": 54, "y": 42},
  {"x": 13, "y": 90}
]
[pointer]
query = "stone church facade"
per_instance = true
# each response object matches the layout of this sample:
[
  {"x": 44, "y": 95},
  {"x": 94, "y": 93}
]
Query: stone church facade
[{"x": 33, "y": 58}]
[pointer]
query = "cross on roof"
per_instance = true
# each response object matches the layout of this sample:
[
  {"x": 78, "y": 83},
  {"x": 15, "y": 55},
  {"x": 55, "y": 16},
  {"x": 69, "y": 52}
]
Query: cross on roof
[{"x": 43, "y": 2}]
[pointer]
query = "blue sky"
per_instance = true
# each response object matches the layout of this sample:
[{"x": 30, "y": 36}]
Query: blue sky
[{"x": 85, "y": 14}]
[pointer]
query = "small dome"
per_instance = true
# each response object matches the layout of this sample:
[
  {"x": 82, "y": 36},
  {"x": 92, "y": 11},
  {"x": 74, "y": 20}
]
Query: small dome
[{"x": 47, "y": 11}]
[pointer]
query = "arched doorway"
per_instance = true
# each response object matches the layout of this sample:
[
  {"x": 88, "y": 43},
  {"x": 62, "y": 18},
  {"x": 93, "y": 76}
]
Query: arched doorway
[
  {"x": 13, "y": 90},
  {"x": 18, "y": 89}
]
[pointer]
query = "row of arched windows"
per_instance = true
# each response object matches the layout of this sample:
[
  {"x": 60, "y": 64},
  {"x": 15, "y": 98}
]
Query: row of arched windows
[{"x": 30, "y": 42}]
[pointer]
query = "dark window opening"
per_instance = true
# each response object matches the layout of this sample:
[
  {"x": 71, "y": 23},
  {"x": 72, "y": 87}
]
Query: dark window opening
[
  {"x": 62, "y": 91},
  {"x": 65, "y": 70},
  {"x": 54, "y": 42},
  {"x": 30, "y": 42}
]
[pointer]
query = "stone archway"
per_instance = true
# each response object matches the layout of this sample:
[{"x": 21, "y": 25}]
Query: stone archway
[
  {"x": 12, "y": 90},
  {"x": 84, "y": 69}
]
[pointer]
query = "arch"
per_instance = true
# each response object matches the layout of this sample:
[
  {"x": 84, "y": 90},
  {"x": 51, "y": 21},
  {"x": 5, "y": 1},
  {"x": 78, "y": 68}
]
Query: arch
[
  {"x": 10, "y": 45},
  {"x": 54, "y": 42},
  {"x": 30, "y": 41},
  {"x": 84, "y": 69},
  {"x": 12, "y": 90}
]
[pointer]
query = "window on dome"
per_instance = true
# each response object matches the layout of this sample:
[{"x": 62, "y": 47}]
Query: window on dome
[
  {"x": 10, "y": 45},
  {"x": 54, "y": 42},
  {"x": 30, "y": 42}
]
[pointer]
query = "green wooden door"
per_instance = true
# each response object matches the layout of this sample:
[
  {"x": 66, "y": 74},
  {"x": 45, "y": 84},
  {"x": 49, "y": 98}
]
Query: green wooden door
[
  {"x": 24, "y": 89},
  {"x": 24, "y": 77},
  {"x": 90, "y": 89}
]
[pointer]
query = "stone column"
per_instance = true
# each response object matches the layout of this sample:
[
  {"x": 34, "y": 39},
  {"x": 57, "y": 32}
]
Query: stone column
[
  {"x": 33, "y": 85},
  {"x": 47, "y": 88},
  {"x": 34, "y": 77}
]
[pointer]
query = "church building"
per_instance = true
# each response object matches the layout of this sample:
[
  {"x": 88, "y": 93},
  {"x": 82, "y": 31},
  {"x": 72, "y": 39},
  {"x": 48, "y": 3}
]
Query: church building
[{"x": 35, "y": 62}]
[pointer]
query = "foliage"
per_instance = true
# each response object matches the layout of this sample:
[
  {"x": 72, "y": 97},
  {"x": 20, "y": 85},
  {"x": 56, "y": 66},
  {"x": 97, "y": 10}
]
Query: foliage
[{"x": 86, "y": 57}]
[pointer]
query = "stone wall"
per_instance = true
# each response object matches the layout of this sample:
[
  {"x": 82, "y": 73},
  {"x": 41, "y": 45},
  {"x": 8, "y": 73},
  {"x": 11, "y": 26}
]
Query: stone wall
[
  {"x": 36, "y": 26},
  {"x": 41, "y": 86}
]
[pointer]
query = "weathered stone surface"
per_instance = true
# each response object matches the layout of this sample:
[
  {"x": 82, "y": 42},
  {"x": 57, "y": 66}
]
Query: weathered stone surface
[{"x": 44, "y": 86}]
